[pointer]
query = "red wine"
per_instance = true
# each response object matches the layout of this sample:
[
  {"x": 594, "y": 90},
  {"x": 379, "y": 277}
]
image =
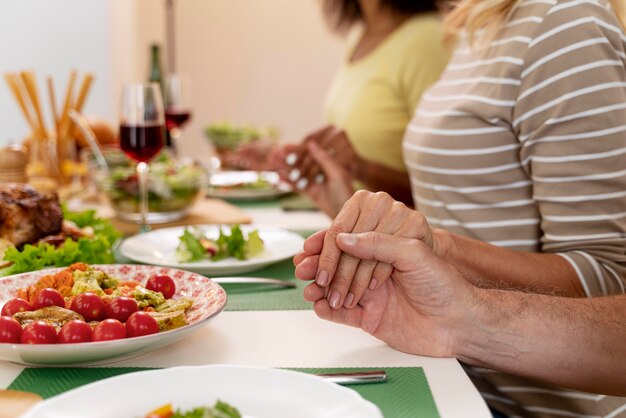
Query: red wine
[
  {"x": 141, "y": 142},
  {"x": 175, "y": 118}
]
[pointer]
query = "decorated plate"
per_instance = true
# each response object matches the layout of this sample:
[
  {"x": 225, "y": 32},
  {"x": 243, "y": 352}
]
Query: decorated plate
[{"x": 209, "y": 300}]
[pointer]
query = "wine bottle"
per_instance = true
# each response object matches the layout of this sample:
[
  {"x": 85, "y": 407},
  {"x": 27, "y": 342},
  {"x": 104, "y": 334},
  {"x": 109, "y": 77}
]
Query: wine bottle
[
  {"x": 156, "y": 73},
  {"x": 156, "y": 76}
]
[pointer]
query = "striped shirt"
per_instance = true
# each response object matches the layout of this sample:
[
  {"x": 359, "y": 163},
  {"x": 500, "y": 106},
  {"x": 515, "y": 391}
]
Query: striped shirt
[{"x": 522, "y": 144}]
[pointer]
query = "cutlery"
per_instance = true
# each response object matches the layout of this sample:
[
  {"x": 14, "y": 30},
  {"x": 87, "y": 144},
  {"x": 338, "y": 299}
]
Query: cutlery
[
  {"x": 353, "y": 378},
  {"x": 254, "y": 280}
]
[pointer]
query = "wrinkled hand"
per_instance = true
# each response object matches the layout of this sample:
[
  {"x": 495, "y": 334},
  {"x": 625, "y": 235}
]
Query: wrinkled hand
[
  {"x": 418, "y": 311},
  {"x": 347, "y": 277}
]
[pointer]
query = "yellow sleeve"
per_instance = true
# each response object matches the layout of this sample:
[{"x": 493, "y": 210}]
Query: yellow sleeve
[{"x": 423, "y": 62}]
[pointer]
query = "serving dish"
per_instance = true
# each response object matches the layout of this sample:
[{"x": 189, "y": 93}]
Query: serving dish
[
  {"x": 209, "y": 300},
  {"x": 174, "y": 185}
]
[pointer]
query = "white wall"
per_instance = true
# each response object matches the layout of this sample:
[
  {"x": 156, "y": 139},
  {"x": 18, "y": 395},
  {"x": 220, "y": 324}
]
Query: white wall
[
  {"x": 52, "y": 38},
  {"x": 250, "y": 61}
]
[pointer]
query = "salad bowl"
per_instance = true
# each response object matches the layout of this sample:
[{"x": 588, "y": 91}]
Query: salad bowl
[{"x": 174, "y": 185}]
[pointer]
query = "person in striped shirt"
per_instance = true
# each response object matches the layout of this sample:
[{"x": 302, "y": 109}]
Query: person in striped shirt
[{"x": 517, "y": 160}]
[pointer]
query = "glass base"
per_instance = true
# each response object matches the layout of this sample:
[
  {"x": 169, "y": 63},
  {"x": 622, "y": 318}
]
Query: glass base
[{"x": 152, "y": 217}]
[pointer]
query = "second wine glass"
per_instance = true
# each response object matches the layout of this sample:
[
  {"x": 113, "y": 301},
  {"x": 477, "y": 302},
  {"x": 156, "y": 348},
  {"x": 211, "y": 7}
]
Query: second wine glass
[
  {"x": 142, "y": 134},
  {"x": 177, "y": 106}
]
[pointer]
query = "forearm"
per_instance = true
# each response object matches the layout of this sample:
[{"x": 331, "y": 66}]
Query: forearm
[
  {"x": 486, "y": 265},
  {"x": 571, "y": 342},
  {"x": 377, "y": 177}
]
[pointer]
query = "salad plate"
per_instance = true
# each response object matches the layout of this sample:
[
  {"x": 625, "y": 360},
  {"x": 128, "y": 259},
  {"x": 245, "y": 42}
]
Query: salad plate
[
  {"x": 255, "y": 392},
  {"x": 159, "y": 248},
  {"x": 209, "y": 300},
  {"x": 247, "y": 185}
]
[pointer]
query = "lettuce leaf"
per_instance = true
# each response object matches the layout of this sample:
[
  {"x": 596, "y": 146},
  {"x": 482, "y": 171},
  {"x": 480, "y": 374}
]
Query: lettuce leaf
[{"x": 95, "y": 250}]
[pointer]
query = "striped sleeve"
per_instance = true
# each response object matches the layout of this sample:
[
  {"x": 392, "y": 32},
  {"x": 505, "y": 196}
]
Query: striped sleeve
[{"x": 570, "y": 118}]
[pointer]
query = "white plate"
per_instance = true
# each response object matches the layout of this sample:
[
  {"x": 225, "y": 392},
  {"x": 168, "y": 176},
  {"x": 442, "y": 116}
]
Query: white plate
[
  {"x": 219, "y": 182},
  {"x": 255, "y": 392},
  {"x": 159, "y": 247},
  {"x": 209, "y": 300}
]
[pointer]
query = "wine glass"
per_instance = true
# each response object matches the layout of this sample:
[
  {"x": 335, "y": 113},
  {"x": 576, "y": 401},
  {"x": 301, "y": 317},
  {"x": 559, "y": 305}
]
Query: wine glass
[
  {"x": 177, "y": 106},
  {"x": 141, "y": 134}
]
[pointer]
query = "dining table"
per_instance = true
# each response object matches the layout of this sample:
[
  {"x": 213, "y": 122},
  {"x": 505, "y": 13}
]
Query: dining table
[{"x": 277, "y": 328}]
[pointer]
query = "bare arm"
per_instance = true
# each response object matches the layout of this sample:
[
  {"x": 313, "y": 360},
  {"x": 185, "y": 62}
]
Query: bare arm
[
  {"x": 486, "y": 265},
  {"x": 378, "y": 177},
  {"x": 428, "y": 308},
  {"x": 572, "y": 342}
]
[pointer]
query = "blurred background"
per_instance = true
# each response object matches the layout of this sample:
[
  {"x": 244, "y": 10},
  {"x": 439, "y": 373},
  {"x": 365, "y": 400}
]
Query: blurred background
[{"x": 263, "y": 62}]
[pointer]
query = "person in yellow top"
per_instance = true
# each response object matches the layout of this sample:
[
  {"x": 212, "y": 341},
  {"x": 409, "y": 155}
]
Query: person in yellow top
[{"x": 395, "y": 52}]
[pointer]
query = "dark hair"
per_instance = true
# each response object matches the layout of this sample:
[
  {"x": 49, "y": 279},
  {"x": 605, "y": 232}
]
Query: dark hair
[{"x": 342, "y": 14}]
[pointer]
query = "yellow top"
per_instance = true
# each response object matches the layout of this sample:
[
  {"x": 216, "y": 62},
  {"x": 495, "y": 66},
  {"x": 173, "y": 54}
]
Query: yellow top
[{"x": 373, "y": 98}]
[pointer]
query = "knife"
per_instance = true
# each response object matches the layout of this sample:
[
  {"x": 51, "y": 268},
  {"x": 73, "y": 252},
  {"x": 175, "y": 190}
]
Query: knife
[
  {"x": 353, "y": 378},
  {"x": 254, "y": 280}
]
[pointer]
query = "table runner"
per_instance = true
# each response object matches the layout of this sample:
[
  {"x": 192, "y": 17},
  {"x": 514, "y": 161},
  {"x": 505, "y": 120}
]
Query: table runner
[
  {"x": 264, "y": 298},
  {"x": 405, "y": 394}
]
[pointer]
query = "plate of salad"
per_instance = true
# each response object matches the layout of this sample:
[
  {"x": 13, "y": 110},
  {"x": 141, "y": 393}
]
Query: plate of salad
[
  {"x": 213, "y": 249},
  {"x": 247, "y": 185},
  {"x": 220, "y": 391},
  {"x": 93, "y": 314}
]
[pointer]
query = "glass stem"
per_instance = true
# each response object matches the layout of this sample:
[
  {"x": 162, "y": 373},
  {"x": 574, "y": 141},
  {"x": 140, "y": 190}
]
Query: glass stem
[{"x": 142, "y": 176}]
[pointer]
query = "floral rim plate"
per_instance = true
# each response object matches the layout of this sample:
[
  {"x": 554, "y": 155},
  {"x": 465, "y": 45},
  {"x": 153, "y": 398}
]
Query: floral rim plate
[
  {"x": 209, "y": 300},
  {"x": 159, "y": 248},
  {"x": 255, "y": 392},
  {"x": 220, "y": 185}
]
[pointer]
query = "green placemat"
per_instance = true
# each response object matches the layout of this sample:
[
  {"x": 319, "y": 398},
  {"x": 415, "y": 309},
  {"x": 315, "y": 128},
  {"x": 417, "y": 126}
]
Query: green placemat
[
  {"x": 406, "y": 393},
  {"x": 263, "y": 298}
]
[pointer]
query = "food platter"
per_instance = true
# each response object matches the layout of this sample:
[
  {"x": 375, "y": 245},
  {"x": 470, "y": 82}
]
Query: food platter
[
  {"x": 209, "y": 300},
  {"x": 255, "y": 392},
  {"x": 247, "y": 185},
  {"x": 159, "y": 248}
]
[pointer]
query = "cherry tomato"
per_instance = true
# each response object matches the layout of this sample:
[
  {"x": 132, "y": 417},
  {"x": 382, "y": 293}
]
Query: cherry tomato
[
  {"x": 10, "y": 330},
  {"x": 109, "y": 329},
  {"x": 75, "y": 331},
  {"x": 90, "y": 306},
  {"x": 39, "y": 332},
  {"x": 121, "y": 308},
  {"x": 48, "y": 297},
  {"x": 162, "y": 283},
  {"x": 141, "y": 323},
  {"x": 14, "y": 306}
]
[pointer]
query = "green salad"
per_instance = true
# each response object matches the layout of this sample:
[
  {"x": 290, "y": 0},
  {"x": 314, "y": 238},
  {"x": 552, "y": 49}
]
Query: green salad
[
  {"x": 96, "y": 249},
  {"x": 219, "y": 410},
  {"x": 172, "y": 186},
  {"x": 227, "y": 136},
  {"x": 194, "y": 245}
]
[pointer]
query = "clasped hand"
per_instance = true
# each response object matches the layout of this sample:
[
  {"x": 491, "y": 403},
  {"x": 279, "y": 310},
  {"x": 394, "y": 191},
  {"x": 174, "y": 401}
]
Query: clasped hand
[{"x": 375, "y": 269}]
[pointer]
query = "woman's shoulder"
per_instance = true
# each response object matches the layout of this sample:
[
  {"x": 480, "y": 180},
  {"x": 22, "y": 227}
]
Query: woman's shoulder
[
  {"x": 536, "y": 17},
  {"x": 422, "y": 28},
  {"x": 420, "y": 35}
]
